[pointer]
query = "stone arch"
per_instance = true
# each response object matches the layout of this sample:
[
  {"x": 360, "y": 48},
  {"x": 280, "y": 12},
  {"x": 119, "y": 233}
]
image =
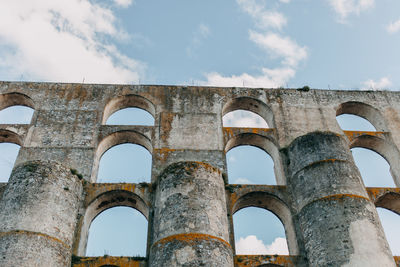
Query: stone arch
[
  {"x": 389, "y": 201},
  {"x": 264, "y": 143},
  {"x": 15, "y": 99},
  {"x": 117, "y": 138},
  {"x": 250, "y": 104},
  {"x": 387, "y": 150},
  {"x": 127, "y": 101},
  {"x": 104, "y": 201},
  {"x": 365, "y": 111},
  {"x": 275, "y": 205},
  {"x": 7, "y": 136},
  {"x": 10, "y": 137}
]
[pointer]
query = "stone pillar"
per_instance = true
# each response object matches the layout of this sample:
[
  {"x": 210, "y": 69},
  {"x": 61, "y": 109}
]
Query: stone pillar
[
  {"x": 338, "y": 222},
  {"x": 190, "y": 225},
  {"x": 38, "y": 214}
]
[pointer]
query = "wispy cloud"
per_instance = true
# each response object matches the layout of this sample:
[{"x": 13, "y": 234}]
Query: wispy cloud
[
  {"x": 263, "y": 17},
  {"x": 383, "y": 83},
  {"x": 275, "y": 45},
  {"x": 199, "y": 35},
  {"x": 251, "y": 245},
  {"x": 57, "y": 41},
  {"x": 280, "y": 46},
  {"x": 394, "y": 26},
  {"x": 242, "y": 181},
  {"x": 244, "y": 118},
  {"x": 123, "y": 3},
  {"x": 268, "y": 78},
  {"x": 344, "y": 8}
]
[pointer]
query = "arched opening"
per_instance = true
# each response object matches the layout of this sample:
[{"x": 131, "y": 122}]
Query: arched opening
[
  {"x": 247, "y": 112},
  {"x": 350, "y": 122},
  {"x": 360, "y": 117},
  {"x": 250, "y": 165},
  {"x": 16, "y": 115},
  {"x": 131, "y": 116},
  {"x": 141, "y": 106},
  {"x": 244, "y": 119},
  {"x": 259, "y": 148},
  {"x": 8, "y": 156},
  {"x": 129, "y": 163},
  {"x": 118, "y": 231},
  {"x": 259, "y": 232},
  {"x": 390, "y": 223},
  {"x": 129, "y": 160},
  {"x": 374, "y": 169}
]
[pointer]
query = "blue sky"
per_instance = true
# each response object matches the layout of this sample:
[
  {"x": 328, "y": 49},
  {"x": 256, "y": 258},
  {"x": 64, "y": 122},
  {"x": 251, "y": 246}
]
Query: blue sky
[{"x": 337, "y": 44}]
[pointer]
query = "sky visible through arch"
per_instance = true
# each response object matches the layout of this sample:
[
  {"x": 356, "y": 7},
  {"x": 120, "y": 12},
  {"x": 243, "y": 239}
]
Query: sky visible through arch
[{"x": 337, "y": 44}]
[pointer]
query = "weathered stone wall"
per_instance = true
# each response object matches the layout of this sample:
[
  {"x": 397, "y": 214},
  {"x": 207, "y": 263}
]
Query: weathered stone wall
[{"x": 327, "y": 213}]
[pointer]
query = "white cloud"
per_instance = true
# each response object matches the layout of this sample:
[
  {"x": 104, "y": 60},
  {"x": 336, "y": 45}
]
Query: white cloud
[
  {"x": 383, "y": 83},
  {"x": 123, "y": 3},
  {"x": 394, "y": 27},
  {"x": 250, "y": 245},
  {"x": 204, "y": 30},
  {"x": 244, "y": 118},
  {"x": 264, "y": 18},
  {"x": 280, "y": 46},
  {"x": 242, "y": 181},
  {"x": 346, "y": 7},
  {"x": 269, "y": 78},
  {"x": 57, "y": 41},
  {"x": 199, "y": 35},
  {"x": 273, "y": 44}
]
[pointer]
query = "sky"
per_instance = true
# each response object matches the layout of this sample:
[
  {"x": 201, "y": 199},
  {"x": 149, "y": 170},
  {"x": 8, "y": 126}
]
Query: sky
[{"x": 328, "y": 44}]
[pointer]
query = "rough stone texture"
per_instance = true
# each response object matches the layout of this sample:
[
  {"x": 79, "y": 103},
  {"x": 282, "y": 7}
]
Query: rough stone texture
[
  {"x": 21, "y": 249},
  {"x": 191, "y": 250},
  {"x": 334, "y": 212},
  {"x": 314, "y": 169},
  {"x": 41, "y": 201},
  {"x": 190, "y": 199}
]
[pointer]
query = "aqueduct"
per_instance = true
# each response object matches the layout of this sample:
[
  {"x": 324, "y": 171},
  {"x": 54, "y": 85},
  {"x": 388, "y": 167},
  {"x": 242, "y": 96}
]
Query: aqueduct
[{"x": 328, "y": 214}]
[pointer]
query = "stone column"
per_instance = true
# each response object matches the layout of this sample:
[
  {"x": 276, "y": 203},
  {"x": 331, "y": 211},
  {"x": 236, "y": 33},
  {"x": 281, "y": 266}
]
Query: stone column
[
  {"x": 190, "y": 225},
  {"x": 338, "y": 222},
  {"x": 38, "y": 214}
]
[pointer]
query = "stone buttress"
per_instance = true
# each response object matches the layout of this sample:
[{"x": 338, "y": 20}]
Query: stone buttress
[
  {"x": 38, "y": 215},
  {"x": 338, "y": 222}
]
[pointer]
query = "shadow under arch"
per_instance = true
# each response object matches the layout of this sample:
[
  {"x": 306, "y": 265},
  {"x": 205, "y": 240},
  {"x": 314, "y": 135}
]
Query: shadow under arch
[
  {"x": 365, "y": 111},
  {"x": 117, "y": 138},
  {"x": 104, "y": 201},
  {"x": 250, "y": 104},
  {"x": 275, "y": 205},
  {"x": 15, "y": 99},
  {"x": 389, "y": 201},
  {"x": 127, "y": 101},
  {"x": 7, "y": 136},
  {"x": 263, "y": 143},
  {"x": 388, "y": 151}
]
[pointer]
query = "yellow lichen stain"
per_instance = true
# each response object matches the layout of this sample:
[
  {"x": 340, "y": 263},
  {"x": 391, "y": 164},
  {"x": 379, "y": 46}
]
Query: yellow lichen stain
[
  {"x": 230, "y": 132},
  {"x": 377, "y": 192},
  {"x": 341, "y": 197},
  {"x": 108, "y": 260},
  {"x": 257, "y": 260},
  {"x": 351, "y": 135},
  {"x": 29, "y": 233},
  {"x": 190, "y": 238},
  {"x": 164, "y": 152},
  {"x": 206, "y": 166},
  {"x": 166, "y": 125}
]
